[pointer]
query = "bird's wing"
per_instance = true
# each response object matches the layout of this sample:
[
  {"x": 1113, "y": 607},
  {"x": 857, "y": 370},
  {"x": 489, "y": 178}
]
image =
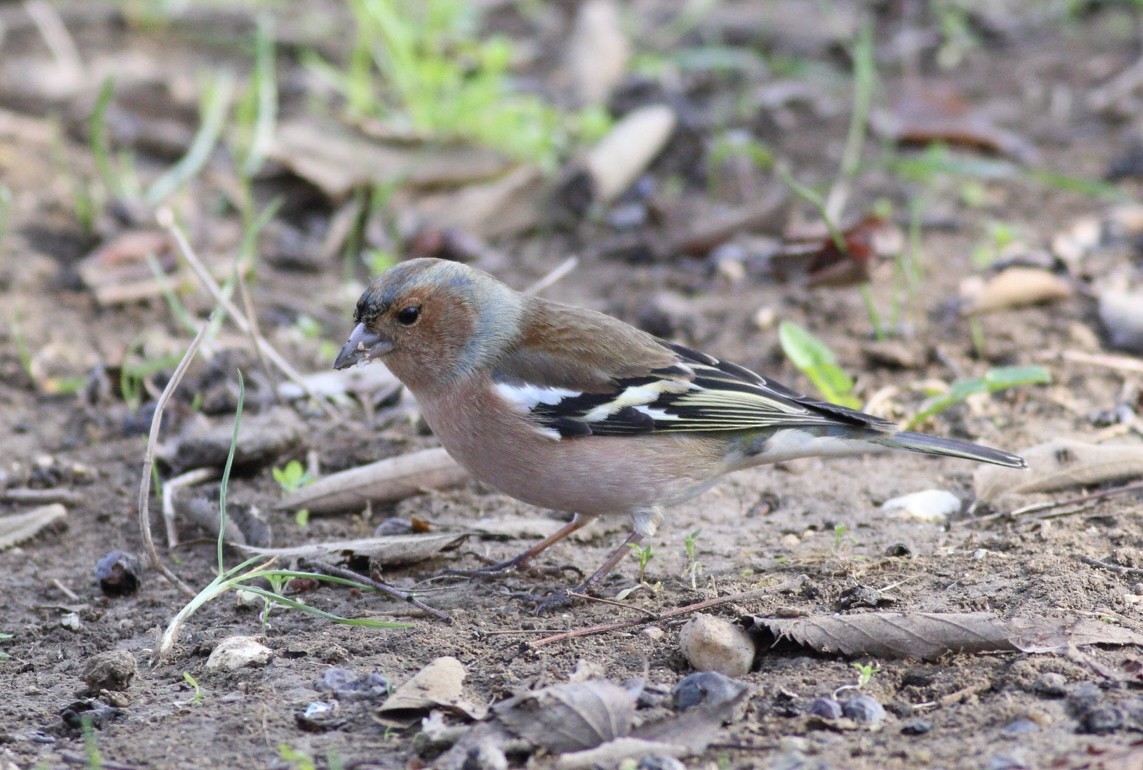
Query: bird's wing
[{"x": 686, "y": 391}]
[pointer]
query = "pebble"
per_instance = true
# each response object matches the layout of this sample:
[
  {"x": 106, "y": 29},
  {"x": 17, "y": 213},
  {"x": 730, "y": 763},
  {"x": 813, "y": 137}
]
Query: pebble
[
  {"x": 930, "y": 506},
  {"x": 708, "y": 687},
  {"x": 119, "y": 573},
  {"x": 113, "y": 670},
  {"x": 1102, "y": 720},
  {"x": 1021, "y": 727},
  {"x": 1050, "y": 685},
  {"x": 347, "y": 686},
  {"x": 1005, "y": 762},
  {"x": 1084, "y": 698},
  {"x": 826, "y": 708},
  {"x": 654, "y": 633},
  {"x": 715, "y": 644},
  {"x": 660, "y": 762},
  {"x": 236, "y": 652},
  {"x": 916, "y": 726},
  {"x": 863, "y": 708}
]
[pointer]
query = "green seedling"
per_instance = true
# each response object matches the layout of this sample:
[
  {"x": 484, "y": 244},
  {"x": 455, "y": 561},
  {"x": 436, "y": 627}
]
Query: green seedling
[
  {"x": 994, "y": 380},
  {"x": 815, "y": 360},
  {"x": 90, "y": 744},
  {"x": 297, "y": 759},
  {"x": 420, "y": 66},
  {"x": 215, "y": 106},
  {"x": 1000, "y": 236},
  {"x": 255, "y": 569},
  {"x": 292, "y": 477},
  {"x": 197, "y": 694},
  {"x": 865, "y": 672},
  {"x": 643, "y": 555},
  {"x": 5, "y": 638}
]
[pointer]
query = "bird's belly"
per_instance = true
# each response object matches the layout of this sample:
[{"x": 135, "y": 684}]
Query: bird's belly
[{"x": 591, "y": 475}]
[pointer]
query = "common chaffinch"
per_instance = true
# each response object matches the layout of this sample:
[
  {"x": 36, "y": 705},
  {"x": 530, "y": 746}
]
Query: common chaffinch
[{"x": 566, "y": 408}]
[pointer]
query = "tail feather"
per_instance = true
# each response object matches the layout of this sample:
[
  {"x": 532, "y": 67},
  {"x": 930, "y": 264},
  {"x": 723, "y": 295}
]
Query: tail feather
[{"x": 951, "y": 447}]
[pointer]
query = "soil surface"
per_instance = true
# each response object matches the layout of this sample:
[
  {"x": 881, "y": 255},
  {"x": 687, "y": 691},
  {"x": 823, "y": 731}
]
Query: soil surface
[{"x": 795, "y": 537}]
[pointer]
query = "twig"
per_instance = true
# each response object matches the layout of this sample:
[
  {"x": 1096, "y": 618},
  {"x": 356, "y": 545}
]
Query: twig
[
  {"x": 1047, "y": 506},
  {"x": 606, "y": 627},
  {"x": 622, "y": 605},
  {"x": 377, "y": 585},
  {"x": 57, "y": 38},
  {"x": 1116, "y": 568},
  {"x": 149, "y": 461},
  {"x": 70, "y": 594},
  {"x": 561, "y": 270},
  {"x": 42, "y": 496},
  {"x": 1122, "y": 363},
  {"x": 166, "y": 220},
  {"x": 188, "y": 479}
]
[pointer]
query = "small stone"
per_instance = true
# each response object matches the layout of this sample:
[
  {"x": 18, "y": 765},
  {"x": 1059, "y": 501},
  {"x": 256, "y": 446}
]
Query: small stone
[
  {"x": 119, "y": 573},
  {"x": 1084, "y": 698},
  {"x": 113, "y": 670},
  {"x": 916, "y": 726},
  {"x": 654, "y": 633},
  {"x": 1102, "y": 720},
  {"x": 1006, "y": 762},
  {"x": 708, "y": 687},
  {"x": 764, "y": 318},
  {"x": 793, "y": 743},
  {"x": 320, "y": 716},
  {"x": 660, "y": 762},
  {"x": 826, "y": 708},
  {"x": 931, "y": 506},
  {"x": 237, "y": 652},
  {"x": 1020, "y": 727},
  {"x": 898, "y": 550},
  {"x": 1050, "y": 685},
  {"x": 71, "y": 621},
  {"x": 863, "y": 708},
  {"x": 715, "y": 644}
]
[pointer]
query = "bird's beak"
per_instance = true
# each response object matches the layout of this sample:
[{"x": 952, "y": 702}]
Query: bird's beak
[{"x": 362, "y": 345}]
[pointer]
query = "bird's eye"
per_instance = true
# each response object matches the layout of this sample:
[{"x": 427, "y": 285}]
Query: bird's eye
[{"x": 409, "y": 315}]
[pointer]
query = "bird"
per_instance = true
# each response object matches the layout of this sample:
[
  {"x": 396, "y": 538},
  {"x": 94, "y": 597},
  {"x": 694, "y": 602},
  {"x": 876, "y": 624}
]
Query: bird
[{"x": 567, "y": 408}]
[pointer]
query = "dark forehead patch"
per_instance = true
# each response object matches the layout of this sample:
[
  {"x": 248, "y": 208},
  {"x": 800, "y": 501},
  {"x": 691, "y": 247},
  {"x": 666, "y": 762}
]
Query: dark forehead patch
[{"x": 405, "y": 278}]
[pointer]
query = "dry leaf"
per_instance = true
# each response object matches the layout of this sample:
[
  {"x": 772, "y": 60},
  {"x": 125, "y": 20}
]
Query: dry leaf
[
  {"x": 262, "y": 438},
  {"x": 1038, "y": 635},
  {"x": 20, "y": 527},
  {"x": 386, "y": 480},
  {"x": 338, "y": 160},
  {"x": 597, "y": 52},
  {"x": 439, "y": 685},
  {"x": 569, "y": 717},
  {"x": 1018, "y": 287},
  {"x": 620, "y": 157},
  {"x": 1061, "y": 464},
  {"x": 1122, "y": 315},
  {"x": 384, "y": 551},
  {"x": 507, "y": 205},
  {"x": 921, "y": 636}
]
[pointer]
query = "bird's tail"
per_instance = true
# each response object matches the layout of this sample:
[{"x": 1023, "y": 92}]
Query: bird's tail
[{"x": 951, "y": 447}]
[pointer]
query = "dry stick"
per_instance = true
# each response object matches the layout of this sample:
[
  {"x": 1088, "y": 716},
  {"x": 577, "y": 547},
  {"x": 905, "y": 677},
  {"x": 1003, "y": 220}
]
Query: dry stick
[
  {"x": 166, "y": 220},
  {"x": 149, "y": 462},
  {"x": 1116, "y": 568},
  {"x": 1122, "y": 363},
  {"x": 604, "y": 628},
  {"x": 55, "y": 35},
  {"x": 1040, "y": 507},
  {"x": 561, "y": 270},
  {"x": 377, "y": 585}
]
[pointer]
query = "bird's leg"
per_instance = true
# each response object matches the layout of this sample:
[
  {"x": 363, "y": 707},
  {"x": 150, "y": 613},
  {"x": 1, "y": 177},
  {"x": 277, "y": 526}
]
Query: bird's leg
[
  {"x": 612, "y": 561},
  {"x": 521, "y": 561},
  {"x": 563, "y": 598}
]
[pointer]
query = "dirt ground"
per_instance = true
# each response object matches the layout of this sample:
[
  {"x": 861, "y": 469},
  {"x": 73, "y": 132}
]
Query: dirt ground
[{"x": 804, "y": 532}]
